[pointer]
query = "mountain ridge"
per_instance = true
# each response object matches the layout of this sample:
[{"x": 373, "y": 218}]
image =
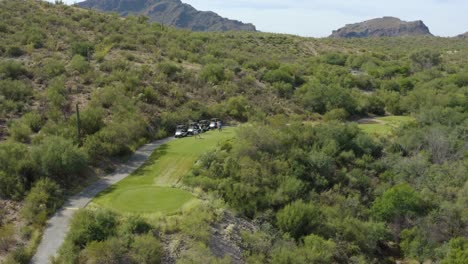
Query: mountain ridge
[
  {"x": 170, "y": 12},
  {"x": 382, "y": 27}
]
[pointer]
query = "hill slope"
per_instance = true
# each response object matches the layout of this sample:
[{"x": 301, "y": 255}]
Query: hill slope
[
  {"x": 382, "y": 27},
  {"x": 171, "y": 12}
]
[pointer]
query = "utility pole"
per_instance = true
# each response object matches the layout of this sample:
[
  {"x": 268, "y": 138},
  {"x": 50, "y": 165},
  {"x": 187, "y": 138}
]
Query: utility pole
[{"x": 78, "y": 121}]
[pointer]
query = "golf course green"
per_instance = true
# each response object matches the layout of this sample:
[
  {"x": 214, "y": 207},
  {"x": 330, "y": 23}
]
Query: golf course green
[
  {"x": 153, "y": 188},
  {"x": 385, "y": 126}
]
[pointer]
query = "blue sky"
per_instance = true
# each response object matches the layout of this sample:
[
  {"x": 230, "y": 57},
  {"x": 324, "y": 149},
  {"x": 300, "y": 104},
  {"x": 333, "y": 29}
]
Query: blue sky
[{"x": 317, "y": 18}]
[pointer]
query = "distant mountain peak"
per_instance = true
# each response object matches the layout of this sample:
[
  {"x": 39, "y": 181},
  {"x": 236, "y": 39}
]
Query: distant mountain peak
[
  {"x": 170, "y": 12},
  {"x": 382, "y": 27},
  {"x": 464, "y": 35}
]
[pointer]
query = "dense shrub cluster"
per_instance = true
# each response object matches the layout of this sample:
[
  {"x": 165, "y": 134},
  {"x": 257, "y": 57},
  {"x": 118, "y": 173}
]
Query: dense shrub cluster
[
  {"x": 332, "y": 186},
  {"x": 103, "y": 237}
]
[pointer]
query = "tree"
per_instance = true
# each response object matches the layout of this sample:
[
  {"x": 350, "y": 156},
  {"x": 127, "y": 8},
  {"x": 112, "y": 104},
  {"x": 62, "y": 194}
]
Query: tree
[
  {"x": 425, "y": 59},
  {"x": 398, "y": 204}
]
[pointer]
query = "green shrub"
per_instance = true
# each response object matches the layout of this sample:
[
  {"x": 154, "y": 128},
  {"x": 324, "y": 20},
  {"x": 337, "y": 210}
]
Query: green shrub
[
  {"x": 108, "y": 251},
  {"x": 59, "y": 159},
  {"x": 88, "y": 226},
  {"x": 79, "y": 64},
  {"x": 458, "y": 251},
  {"x": 314, "y": 250},
  {"x": 84, "y": 49},
  {"x": 42, "y": 201},
  {"x": 299, "y": 219},
  {"x": 15, "y": 90},
  {"x": 33, "y": 120},
  {"x": 278, "y": 75},
  {"x": 18, "y": 256},
  {"x": 52, "y": 68},
  {"x": 213, "y": 73},
  {"x": 398, "y": 202},
  {"x": 339, "y": 114},
  {"x": 335, "y": 59},
  {"x": 425, "y": 59},
  {"x": 11, "y": 69},
  {"x": 134, "y": 225},
  {"x": 14, "y": 51},
  {"x": 20, "y": 131},
  {"x": 146, "y": 249},
  {"x": 238, "y": 108},
  {"x": 17, "y": 169},
  {"x": 169, "y": 68},
  {"x": 34, "y": 36},
  {"x": 7, "y": 237}
]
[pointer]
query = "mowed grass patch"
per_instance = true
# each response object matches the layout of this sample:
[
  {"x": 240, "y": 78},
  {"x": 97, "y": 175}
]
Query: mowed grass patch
[
  {"x": 153, "y": 187},
  {"x": 385, "y": 126}
]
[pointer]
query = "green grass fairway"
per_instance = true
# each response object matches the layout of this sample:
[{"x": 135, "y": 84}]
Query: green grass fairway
[
  {"x": 151, "y": 189},
  {"x": 384, "y": 126}
]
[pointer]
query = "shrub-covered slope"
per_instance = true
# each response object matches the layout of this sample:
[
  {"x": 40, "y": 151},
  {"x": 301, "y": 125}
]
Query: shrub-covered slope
[{"x": 134, "y": 81}]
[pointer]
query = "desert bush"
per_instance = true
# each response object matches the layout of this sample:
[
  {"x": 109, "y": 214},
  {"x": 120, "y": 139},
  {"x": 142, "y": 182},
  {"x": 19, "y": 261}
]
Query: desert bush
[
  {"x": 17, "y": 169},
  {"x": 59, "y": 159},
  {"x": 146, "y": 249},
  {"x": 108, "y": 251},
  {"x": 33, "y": 120},
  {"x": 20, "y": 131},
  {"x": 7, "y": 238},
  {"x": 14, "y": 51},
  {"x": 213, "y": 73},
  {"x": 82, "y": 48},
  {"x": 10, "y": 69},
  {"x": 339, "y": 114},
  {"x": 15, "y": 90},
  {"x": 88, "y": 226},
  {"x": 42, "y": 201},
  {"x": 52, "y": 68},
  {"x": 34, "y": 36},
  {"x": 79, "y": 64},
  {"x": 299, "y": 219}
]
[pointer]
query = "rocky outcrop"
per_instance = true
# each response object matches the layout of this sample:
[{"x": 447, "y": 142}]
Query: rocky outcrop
[
  {"x": 464, "y": 36},
  {"x": 382, "y": 27},
  {"x": 169, "y": 12}
]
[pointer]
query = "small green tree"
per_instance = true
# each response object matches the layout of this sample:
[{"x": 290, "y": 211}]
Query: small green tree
[{"x": 398, "y": 204}]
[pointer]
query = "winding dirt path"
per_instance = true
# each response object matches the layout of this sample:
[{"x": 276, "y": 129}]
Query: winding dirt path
[{"x": 58, "y": 226}]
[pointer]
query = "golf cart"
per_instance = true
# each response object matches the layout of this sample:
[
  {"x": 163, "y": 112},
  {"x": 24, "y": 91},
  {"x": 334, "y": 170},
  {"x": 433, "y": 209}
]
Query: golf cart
[
  {"x": 193, "y": 128},
  {"x": 204, "y": 125},
  {"x": 214, "y": 123},
  {"x": 181, "y": 131}
]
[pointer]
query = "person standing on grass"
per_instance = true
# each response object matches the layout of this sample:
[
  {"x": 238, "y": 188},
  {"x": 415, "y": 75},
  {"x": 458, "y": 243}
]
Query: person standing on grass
[
  {"x": 220, "y": 126},
  {"x": 197, "y": 134}
]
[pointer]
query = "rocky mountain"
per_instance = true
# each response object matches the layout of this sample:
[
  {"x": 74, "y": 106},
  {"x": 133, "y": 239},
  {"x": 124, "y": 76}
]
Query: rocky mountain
[
  {"x": 169, "y": 12},
  {"x": 465, "y": 35},
  {"x": 382, "y": 27}
]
